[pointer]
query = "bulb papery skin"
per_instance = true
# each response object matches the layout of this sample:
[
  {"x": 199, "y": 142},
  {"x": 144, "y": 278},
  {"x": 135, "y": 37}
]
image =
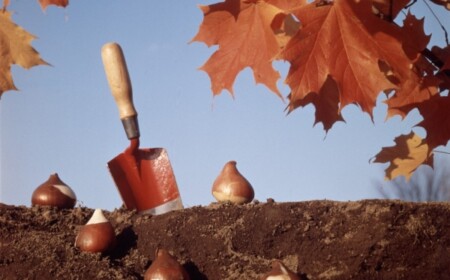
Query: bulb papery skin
[
  {"x": 232, "y": 186},
  {"x": 54, "y": 192},
  {"x": 280, "y": 272},
  {"x": 279, "y": 277},
  {"x": 97, "y": 217},
  {"x": 165, "y": 267},
  {"x": 226, "y": 195},
  {"x": 66, "y": 190},
  {"x": 97, "y": 236}
]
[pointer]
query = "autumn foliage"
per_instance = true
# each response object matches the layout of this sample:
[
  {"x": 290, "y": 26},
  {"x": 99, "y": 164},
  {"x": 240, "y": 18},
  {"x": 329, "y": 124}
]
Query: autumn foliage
[
  {"x": 340, "y": 52},
  {"x": 15, "y": 45}
]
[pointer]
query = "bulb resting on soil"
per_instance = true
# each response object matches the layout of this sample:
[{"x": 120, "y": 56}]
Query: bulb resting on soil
[
  {"x": 54, "y": 192},
  {"x": 165, "y": 267},
  {"x": 97, "y": 236},
  {"x": 231, "y": 186}
]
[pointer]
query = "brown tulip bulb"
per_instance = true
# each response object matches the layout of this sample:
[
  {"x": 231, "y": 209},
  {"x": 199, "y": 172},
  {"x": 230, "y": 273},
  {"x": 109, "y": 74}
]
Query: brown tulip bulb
[
  {"x": 54, "y": 192},
  {"x": 97, "y": 236},
  {"x": 165, "y": 267},
  {"x": 231, "y": 186},
  {"x": 280, "y": 272}
]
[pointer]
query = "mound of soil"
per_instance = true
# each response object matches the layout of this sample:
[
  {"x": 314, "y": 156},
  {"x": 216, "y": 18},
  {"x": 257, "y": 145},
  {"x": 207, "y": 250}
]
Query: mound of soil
[{"x": 371, "y": 239}]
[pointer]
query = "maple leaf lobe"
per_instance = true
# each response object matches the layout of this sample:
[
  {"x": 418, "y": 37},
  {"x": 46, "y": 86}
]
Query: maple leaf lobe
[
  {"x": 243, "y": 30},
  {"x": 60, "y": 3},
  {"x": 409, "y": 152}
]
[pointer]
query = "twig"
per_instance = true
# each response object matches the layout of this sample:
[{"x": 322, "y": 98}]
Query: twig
[
  {"x": 440, "y": 23},
  {"x": 441, "y": 152},
  {"x": 410, "y": 4},
  {"x": 432, "y": 57},
  {"x": 436, "y": 61}
]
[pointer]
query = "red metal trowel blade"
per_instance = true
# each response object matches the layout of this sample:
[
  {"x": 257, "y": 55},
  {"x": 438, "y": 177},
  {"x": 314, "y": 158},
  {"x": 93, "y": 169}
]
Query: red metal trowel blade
[
  {"x": 145, "y": 180},
  {"x": 125, "y": 175}
]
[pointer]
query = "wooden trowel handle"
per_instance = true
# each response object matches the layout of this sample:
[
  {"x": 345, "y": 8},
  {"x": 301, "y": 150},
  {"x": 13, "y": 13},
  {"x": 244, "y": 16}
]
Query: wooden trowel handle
[{"x": 120, "y": 85}]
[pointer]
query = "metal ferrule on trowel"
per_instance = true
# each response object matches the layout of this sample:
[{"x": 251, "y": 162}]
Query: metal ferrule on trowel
[{"x": 131, "y": 126}]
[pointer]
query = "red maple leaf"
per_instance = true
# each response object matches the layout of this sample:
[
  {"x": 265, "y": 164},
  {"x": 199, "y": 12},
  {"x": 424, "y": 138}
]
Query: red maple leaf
[
  {"x": 413, "y": 38},
  {"x": 388, "y": 8},
  {"x": 446, "y": 59},
  {"x": 413, "y": 86},
  {"x": 436, "y": 120},
  {"x": 446, "y": 64},
  {"x": 443, "y": 54}
]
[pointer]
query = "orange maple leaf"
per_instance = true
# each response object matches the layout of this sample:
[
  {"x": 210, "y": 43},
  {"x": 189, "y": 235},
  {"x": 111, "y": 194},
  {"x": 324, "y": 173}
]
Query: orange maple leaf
[
  {"x": 412, "y": 91},
  {"x": 347, "y": 41},
  {"x": 244, "y": 31},
  {"x": 326, "y": 103},
  {"x": 59, "y": 3},
  {"x": 409, "y": 152},
  {"x": 15, "y": 48},
  {"x": 287, "y": 5}
]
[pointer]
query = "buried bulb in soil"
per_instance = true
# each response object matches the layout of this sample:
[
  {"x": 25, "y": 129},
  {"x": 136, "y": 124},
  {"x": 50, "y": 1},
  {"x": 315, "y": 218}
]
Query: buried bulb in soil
[
  {"x": 165, "y": 267},
  {"x": 280, "y": 272},
  {"x": 97, "y": 236},
  {"x": 54, "y": 192},
  {"x": 232, "y": 186}
]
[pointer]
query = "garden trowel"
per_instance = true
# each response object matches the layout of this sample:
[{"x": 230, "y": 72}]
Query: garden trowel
[{"x": 144, "y": 177}]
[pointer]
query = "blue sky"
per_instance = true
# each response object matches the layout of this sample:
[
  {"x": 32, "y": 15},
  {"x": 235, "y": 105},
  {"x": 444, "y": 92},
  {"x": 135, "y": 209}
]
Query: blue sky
[{"x": 64, "y": 118}]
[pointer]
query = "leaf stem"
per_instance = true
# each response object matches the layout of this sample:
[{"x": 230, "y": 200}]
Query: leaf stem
[
  {"x": 432, "y": 57},
  {"x": 410, "y": 4}
]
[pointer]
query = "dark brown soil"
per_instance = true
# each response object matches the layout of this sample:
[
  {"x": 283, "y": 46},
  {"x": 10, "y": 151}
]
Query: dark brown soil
[{"x": 373, "y": 239}]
